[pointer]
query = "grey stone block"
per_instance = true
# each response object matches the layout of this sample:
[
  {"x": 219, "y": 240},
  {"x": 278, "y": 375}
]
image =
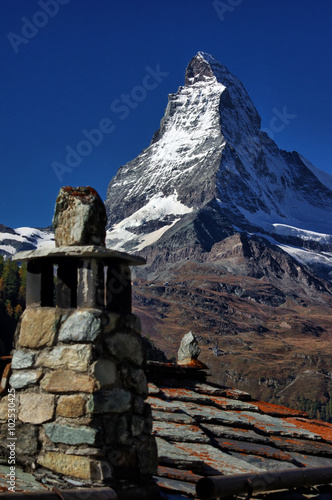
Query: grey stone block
[
  {"x": 74, "y": 357},
  {"x": 104, "y": 371},
  {"x": 22, "y": 379},
  {"x": 81, "y": 326},
  {"x": 71, "y": 435},
  {"x": 23, "y": 359}
]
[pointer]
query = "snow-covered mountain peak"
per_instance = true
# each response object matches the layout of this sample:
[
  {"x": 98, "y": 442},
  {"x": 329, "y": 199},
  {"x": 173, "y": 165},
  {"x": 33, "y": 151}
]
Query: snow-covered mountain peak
[
  {"x": 199, "y": 69},
  {"x": 211, "y": 110},
  {"x": 210, "y": 158},
  {"x": 236, "y": 108}
]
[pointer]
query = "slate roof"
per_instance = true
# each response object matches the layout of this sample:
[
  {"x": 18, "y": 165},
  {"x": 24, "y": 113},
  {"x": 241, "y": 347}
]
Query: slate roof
[{"x": 204, "y": 430}]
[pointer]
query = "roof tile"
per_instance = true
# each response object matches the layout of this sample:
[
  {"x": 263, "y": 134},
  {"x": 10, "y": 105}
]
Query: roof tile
[
  {"x": 196, "y": 397},
  {"x": 203, "y": 429},
  {"x": 217, "y": 461},
  {"x": 302, "y": 446},
  {"x": 164, "y": 416},
  {"x": 277, "y": 426},
  {"x": 180, "y": 432},
  {"x": 323, "y": 429},
  {"x": 235, "y": 433},
  {"x": 170, "y": 455},
  {"x": 254, "y": 449}
]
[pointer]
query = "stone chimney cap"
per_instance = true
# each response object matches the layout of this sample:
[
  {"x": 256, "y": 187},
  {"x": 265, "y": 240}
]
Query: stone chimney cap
[
  {"x": 87, "y": 251},
  {"x": 79, "y": 217}
]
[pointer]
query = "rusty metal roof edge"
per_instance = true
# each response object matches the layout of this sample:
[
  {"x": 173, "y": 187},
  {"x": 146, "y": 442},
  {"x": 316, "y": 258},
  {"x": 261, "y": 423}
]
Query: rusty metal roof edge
[{"x": 209, "y": 488}]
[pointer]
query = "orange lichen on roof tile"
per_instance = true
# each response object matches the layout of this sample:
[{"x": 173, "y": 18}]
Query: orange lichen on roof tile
[
  {"x": 276, "y": 410},
  {"x": 315, "y": 448},
  {"x": 177, "y": 393},
  {"x": 260, "y": 450},
  {"x": 236, "y": 394},
  {"x": 219, "y": 400},
  {"x": 193, "y": 363},
  {"x": 181, "y": 475},
  {"x": 319, "y": 427}
]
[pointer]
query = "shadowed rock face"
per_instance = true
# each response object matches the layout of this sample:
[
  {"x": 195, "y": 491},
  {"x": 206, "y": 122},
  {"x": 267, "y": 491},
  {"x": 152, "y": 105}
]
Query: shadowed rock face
[
  {"x": 79, "y": 217},
  {"x": 197, "y": 70}
]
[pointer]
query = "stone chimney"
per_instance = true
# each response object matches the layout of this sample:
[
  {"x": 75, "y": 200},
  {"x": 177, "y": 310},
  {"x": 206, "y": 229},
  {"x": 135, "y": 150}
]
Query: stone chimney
[{"x": 78, "y": 363}]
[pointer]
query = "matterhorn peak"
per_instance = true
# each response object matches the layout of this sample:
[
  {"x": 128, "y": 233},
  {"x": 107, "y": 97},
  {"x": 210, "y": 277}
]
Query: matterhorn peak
[
  {"x": 209, "y": 172},
  {"x": 204, "y": 65},
  {"x": 205, "y": 69},
  {"x": 199, "y": 68}
]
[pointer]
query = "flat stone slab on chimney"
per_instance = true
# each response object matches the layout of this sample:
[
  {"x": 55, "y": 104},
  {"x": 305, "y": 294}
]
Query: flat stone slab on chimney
[{"x": 88, "y": 251}]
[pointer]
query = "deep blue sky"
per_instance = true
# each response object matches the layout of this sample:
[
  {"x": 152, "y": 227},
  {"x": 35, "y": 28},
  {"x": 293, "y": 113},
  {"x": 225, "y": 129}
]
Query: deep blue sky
[{"x": 65, "y": 78}]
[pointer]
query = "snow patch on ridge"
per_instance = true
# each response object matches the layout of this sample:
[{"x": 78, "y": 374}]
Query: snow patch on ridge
[
  {"x": 286, "y": 230},
  {"x": 8, "y": 249},
  {"x": 41, "y": 238},
  {"x": 156, "y": 209},
  {"x": 176, "y": 156},
  {"x": 306, "y": 257},
  {"x": 25, "y": 238},
  {"x": 309, "y": 222}
]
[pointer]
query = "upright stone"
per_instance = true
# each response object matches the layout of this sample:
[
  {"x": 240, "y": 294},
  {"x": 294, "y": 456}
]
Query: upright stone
[
  {"x": 79, "y": 217},
  {"x": 189, "y": 349}
]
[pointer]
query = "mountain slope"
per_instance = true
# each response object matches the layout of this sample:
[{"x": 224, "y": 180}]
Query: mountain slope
[{"x": 23, "y": 238}]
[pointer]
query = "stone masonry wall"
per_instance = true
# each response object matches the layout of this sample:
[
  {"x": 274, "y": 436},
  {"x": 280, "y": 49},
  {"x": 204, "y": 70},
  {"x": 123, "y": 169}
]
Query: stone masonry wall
[{"x": 80, "y": 390}]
